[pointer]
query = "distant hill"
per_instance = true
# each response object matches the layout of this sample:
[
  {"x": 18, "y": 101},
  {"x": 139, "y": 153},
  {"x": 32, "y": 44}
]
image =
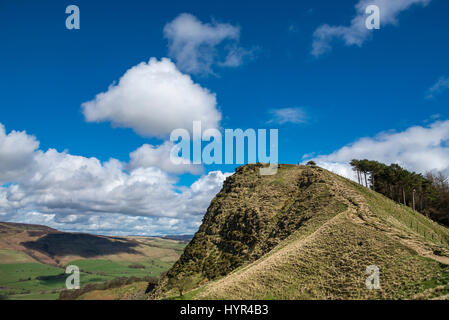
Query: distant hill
[
  {"x": 306, "y": 233},
  {"x": 33, "y": 260},
  {"x": 182, "y": 237},
  {"x": 54, "y": 247}
]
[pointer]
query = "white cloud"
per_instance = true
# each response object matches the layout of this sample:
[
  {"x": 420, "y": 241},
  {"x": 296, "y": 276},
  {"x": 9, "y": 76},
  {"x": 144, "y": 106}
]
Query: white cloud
[
  {"x": 193, "y": 44},
  {"x": 78, "y": 193},
  {"x": 153, "y": 99},
  {"x": 111, "y": 224},
  {"x": 16, "y": 151},
  {"x": 287, "y": 115},
  {"x": 235, "y": 56},
  {"x": 159, "y": 157},
  {"x": 440, "y": 86},
  {"x": 419, "y": 149},
  {"x": 357, "y": 33},
  {"x": 293, "y": 28}
]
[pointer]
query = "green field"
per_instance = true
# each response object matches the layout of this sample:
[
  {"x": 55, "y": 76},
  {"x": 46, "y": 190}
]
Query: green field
[
  {"x": 20, "y": 280},
  {"x": 35, "y": 296},
  {"x": 114, "y": 269}
]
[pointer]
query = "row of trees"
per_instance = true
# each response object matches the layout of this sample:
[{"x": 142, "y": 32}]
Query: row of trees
[{"x": 427, "y": 193}]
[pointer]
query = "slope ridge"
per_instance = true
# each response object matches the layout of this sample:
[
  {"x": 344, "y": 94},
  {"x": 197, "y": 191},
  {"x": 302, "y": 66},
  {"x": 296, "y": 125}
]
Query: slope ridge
[{"x": 324, "y": 236}]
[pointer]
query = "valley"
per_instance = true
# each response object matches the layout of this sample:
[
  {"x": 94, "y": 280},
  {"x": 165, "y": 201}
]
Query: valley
[{"x": 33, "y": 260}]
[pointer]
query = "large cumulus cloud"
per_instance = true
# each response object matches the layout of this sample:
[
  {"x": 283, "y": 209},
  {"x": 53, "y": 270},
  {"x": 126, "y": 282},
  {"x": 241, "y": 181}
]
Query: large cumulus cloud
[
  {"x": 78, "y": 193},
  {"x": 153, "y": 99}
]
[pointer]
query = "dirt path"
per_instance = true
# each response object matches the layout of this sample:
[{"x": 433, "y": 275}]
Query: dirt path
[{"x": 360, "y": 213}]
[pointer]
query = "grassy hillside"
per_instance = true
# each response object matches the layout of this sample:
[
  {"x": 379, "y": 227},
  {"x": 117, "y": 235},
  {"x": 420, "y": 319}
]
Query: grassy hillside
[
  {"x": 33, "y": 259},
  {"x": 306, "y": 233},
  {"x": 127, "y": 292}
]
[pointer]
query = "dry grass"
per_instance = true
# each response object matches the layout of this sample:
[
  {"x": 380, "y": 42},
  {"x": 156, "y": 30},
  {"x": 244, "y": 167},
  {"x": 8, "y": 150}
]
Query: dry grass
[
  {"x": 133, "y": 291},
  {"x": 11, "y": 256},
  {"x": 348, "y": 228},
  {"x": 329, "y": 264}
]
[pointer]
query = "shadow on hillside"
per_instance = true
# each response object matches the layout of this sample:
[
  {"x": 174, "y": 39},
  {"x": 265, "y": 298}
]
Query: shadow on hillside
[{"x": 84, "y": 245}]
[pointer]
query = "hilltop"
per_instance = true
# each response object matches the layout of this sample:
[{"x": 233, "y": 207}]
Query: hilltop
[{"x": 306, "y": 233}]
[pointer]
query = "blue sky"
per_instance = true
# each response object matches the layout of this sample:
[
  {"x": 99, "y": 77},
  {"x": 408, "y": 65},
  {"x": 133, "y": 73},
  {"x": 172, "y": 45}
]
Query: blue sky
[{"x": 380, "y": 85}]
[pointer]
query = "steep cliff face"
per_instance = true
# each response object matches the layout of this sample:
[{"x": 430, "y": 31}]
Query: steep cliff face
[
  {"x": 250, "y": 216},
  {"x": 306, "y": 233}
]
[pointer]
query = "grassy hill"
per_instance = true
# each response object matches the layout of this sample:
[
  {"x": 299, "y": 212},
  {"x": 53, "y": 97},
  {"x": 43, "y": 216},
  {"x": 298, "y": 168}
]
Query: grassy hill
[
  {"x": 306, "y": 233},
  {"x": 33, "y": 259}
]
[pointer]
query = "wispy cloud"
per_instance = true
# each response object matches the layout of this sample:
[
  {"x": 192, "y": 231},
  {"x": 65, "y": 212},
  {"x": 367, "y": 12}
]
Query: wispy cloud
[
  {"x": 439, "y": 87},
  {"x": 193, "y": 44},
  {"x": 287, "y": 115},
  {"x": 293, "y": 28},
  {"x": 356, "y": 33}
]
